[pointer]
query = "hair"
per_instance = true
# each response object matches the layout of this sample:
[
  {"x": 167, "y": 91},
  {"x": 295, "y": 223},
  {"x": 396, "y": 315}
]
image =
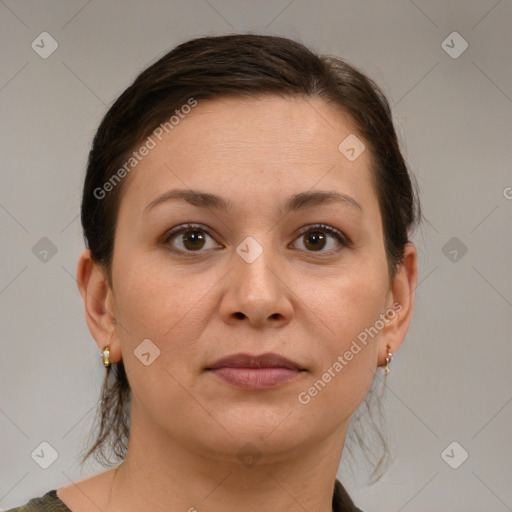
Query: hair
[{"x": 236, "y": 65}]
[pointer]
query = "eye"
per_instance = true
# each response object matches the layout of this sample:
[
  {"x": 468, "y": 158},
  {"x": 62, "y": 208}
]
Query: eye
[
  {"x": 316, "y": 238},
  {"x": 189, "y": 238}
]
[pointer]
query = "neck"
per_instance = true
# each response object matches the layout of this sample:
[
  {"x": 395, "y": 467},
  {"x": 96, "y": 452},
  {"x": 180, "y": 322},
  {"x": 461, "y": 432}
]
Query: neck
[{"x": 162, "y": 474}]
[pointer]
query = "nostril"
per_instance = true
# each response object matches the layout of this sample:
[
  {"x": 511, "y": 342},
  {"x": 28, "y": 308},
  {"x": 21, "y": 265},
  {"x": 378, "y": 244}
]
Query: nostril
[{"x": 239, "y": 314}]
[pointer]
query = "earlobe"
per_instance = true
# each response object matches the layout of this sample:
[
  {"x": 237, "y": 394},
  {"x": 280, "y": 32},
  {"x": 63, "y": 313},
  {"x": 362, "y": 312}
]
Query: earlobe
[
  {"x": 401, "y": 301},
  {"x": 98, "y": 302}
]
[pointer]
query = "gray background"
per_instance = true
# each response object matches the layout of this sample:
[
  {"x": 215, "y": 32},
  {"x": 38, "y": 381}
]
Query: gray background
[{"x": 451, "y": 380}]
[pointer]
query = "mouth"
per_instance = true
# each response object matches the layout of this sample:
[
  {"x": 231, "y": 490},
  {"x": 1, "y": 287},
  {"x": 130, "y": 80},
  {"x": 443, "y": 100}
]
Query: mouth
[{"x": 255, "y": 372}]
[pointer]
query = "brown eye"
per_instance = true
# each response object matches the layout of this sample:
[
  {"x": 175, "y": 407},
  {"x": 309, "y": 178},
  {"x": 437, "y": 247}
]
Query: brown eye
[
  {"x": 315, "y": 240},
  {"x": 318, "y": 238},
  {"x": 193, "y": 240},
  {"x": 190, "y": 239}
]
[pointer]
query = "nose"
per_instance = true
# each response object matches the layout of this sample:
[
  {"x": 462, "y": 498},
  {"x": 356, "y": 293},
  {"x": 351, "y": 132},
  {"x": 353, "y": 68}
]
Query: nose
[{"x": 257, "y": 293}]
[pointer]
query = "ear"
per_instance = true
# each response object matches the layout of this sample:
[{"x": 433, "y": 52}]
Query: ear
[
  {"x": 401, "y": 302},
  {"x": 98, "y": 301}
]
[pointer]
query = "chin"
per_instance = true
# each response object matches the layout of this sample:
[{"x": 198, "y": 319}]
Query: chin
[{"x": 272, "y": 431}]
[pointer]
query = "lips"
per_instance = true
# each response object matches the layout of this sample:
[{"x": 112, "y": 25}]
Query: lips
[
  {"x": 248, "y": 361},
  {"x": 255, "y": 372}
]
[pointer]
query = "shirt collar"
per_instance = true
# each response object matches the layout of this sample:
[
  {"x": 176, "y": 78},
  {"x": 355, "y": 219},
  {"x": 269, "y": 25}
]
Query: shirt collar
[{"x": 341, "y": 501}]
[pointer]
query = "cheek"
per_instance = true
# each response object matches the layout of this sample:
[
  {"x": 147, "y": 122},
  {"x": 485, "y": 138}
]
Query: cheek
[
  {"x": 347, "y": 314},
  {"x": 349, "y": 302},
  {"x": 165, "y": 304},
  {"x": 157, "y": 302}
]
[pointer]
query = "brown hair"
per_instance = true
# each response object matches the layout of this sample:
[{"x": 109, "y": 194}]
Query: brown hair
[{"x": 238, "y": 65}]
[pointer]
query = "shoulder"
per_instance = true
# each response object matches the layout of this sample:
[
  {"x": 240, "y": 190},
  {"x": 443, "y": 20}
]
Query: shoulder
[{"x": 50, "y": 502}]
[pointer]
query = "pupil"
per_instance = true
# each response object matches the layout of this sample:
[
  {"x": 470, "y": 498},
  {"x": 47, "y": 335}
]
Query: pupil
[
  {"x": 192, "y": 238},
  {"x": 316, "y": 237}
]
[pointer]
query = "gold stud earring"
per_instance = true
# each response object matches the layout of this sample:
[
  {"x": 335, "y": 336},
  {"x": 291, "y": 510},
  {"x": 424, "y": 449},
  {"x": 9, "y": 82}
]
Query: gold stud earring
[{"x": 106, "y": 356}]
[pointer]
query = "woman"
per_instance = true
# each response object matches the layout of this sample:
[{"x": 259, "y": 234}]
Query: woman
[{"x": 247, "y": 215}]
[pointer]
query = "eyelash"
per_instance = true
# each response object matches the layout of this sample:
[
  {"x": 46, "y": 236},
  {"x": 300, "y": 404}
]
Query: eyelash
[{"x": 343, "y": 240}]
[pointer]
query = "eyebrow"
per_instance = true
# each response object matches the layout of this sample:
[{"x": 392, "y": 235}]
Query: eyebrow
[{"x": 295, "y": 202}]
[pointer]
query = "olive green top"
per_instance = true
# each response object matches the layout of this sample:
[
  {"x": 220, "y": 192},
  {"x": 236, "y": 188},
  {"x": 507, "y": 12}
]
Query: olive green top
[{"x": 50, "y": 502}]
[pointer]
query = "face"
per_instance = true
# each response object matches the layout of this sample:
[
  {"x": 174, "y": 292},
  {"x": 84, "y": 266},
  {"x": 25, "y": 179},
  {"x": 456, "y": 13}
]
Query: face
[{"x": 269, "y": 267}]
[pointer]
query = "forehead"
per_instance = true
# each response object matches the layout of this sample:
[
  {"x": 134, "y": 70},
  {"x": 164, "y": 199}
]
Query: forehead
[
  {"x": 270, "y": 144},
  {"x": 299, "y": 129}
]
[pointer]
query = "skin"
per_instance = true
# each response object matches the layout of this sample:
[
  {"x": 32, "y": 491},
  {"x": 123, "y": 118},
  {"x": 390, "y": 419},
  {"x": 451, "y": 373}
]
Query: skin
[{"x": 307, "y": 305}]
